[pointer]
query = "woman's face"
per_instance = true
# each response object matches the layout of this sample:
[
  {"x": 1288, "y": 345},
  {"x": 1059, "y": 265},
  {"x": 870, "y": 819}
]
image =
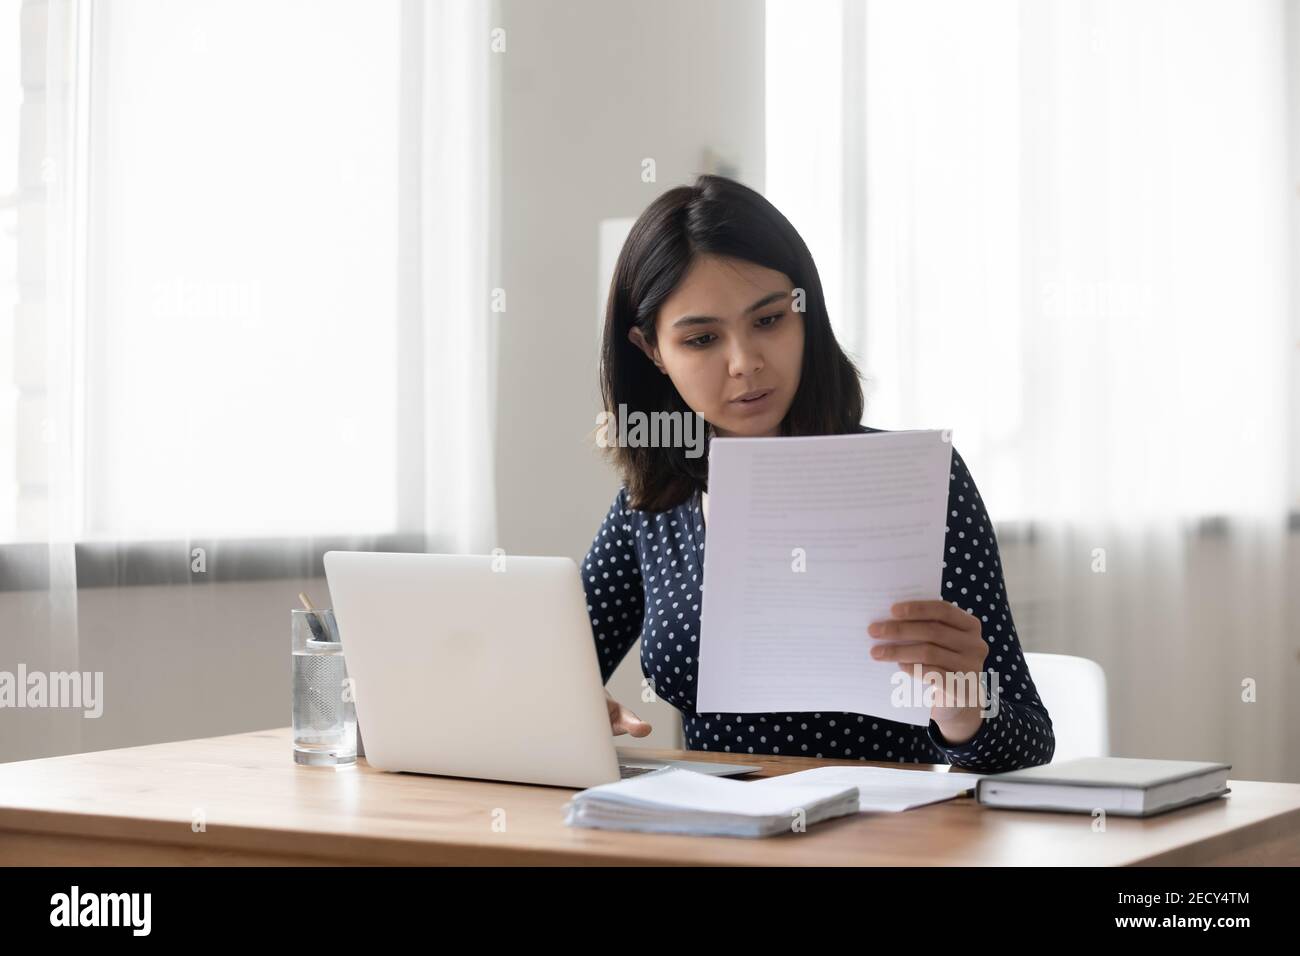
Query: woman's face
[{"x": 728, "y": 332}]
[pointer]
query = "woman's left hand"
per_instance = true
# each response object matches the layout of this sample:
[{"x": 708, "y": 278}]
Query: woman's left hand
[{"x": 935, "y": 639}]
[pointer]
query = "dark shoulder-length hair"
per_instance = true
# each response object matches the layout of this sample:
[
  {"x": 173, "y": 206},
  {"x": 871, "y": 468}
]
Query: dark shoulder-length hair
[{"x": 722, "y": 217}]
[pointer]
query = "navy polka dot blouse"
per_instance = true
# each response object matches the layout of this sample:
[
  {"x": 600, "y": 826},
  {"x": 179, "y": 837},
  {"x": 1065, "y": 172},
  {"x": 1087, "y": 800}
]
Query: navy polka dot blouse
[{"x": 643, "y": 578}]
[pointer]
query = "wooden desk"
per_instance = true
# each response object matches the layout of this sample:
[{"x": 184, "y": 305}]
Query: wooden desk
[{"x": 242, "y": 800}]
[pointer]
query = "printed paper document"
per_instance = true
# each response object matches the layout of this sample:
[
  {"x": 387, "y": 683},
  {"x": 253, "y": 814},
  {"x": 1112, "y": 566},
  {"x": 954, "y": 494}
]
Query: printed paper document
[{"x": 809, "y": 540}]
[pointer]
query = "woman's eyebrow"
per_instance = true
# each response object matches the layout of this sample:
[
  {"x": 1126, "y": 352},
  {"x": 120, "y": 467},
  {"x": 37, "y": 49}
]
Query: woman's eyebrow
[{"x": 705, "y": 319}]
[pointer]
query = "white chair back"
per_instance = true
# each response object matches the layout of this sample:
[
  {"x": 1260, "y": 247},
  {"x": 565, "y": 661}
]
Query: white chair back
[{"x": 1074, "y": 691}]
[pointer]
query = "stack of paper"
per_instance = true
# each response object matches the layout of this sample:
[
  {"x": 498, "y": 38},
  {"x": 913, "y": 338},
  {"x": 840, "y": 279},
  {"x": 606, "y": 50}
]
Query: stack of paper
[{"x": 673, "y": 800}]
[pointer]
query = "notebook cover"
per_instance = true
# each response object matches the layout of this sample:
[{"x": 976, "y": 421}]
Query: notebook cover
[{"x": 1123, "y": 772}]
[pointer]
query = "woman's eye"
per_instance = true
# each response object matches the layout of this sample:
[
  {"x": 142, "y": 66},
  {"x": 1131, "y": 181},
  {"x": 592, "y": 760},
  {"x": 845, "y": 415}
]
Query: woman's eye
[
  {"x": 699, "y": 341},
  {"x": 774, "y": 319}
]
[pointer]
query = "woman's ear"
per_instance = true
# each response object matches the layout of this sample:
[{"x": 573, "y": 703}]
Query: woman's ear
[{"x": 636, "y": 338}]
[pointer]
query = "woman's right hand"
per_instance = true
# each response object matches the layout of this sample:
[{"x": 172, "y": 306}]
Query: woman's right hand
[{"x": 623, "y": 721}]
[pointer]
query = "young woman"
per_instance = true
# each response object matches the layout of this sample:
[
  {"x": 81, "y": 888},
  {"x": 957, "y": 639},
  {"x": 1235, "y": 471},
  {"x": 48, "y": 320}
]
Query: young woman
[{"x": 703, "y": 316}]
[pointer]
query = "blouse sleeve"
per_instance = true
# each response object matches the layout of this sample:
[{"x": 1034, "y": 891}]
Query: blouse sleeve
[
  {"x": 611, "y": 576},
  {"x": 1020, "y": 734}
]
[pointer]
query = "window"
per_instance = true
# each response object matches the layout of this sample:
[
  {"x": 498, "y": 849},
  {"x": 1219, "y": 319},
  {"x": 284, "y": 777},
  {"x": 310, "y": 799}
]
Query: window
[{"x": 239, "y": 357}]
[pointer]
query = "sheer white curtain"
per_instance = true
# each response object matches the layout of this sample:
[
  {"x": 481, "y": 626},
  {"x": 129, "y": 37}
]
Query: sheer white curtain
[
  {"x": 249, "y": 320},
  {"x": 1074, "y": 251},
  {"x": 44, "y": 292},
  {"x": 460, "y": 111}
]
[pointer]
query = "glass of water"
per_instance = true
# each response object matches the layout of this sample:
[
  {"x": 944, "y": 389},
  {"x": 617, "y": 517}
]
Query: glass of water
[{"x": 324, "y": 716}]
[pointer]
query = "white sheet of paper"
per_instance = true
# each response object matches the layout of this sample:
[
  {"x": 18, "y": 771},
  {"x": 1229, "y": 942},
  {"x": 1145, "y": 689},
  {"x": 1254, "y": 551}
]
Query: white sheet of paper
[
  {"x": 809, "y": 540},
  {"x": 884, "y": 789}
]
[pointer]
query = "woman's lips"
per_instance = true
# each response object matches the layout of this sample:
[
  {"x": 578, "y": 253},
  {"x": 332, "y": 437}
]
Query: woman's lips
[{"x": 762, "y": 399}]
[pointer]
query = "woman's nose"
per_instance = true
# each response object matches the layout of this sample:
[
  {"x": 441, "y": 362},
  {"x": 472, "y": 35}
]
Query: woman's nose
[{"x": 745, "y": 360}]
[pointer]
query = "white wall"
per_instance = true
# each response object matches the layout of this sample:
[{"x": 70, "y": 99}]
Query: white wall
[
  {"x": 591, "y": 88},
  {"x": 178, "y": 662}
]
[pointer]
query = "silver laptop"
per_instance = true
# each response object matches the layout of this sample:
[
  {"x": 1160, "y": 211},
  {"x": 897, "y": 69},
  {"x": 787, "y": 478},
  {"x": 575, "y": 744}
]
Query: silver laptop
[{"x": 479, "y": 666}]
